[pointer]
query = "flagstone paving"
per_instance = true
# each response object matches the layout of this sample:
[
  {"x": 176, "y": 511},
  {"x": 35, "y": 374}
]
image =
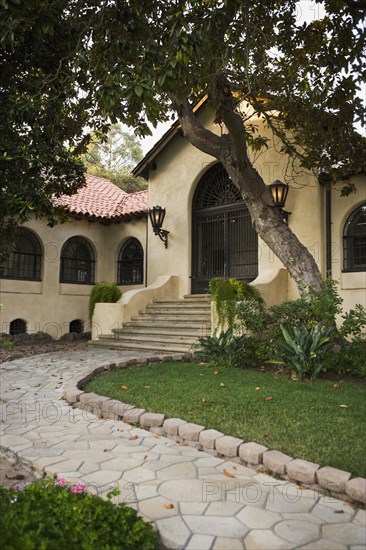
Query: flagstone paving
[{"x": 189, "y": 495}]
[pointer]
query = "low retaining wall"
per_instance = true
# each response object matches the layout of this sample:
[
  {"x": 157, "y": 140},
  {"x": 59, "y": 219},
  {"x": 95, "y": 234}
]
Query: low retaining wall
[{"x": 249, "y": 454}]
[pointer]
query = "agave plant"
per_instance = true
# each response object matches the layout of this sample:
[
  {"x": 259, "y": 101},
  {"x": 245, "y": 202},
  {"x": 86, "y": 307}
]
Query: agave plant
[
  {"x": 223, "y": 350},
  {"x": 301, "y": 349}
]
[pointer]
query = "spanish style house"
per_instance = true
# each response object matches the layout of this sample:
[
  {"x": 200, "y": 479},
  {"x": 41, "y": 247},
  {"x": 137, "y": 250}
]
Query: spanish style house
[{"x": 207, "y": 232}]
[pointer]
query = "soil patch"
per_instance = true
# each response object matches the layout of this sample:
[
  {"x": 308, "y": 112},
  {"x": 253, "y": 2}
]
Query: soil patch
[{"x": 26, "y": 349}]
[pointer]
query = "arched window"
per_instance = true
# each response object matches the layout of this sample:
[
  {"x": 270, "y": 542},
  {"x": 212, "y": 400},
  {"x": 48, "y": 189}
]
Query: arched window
[
  {"x": 18, "y": 326},
  {"x": 77, "y": 262},
  {"x": 224, "y": 241},
  {"x": 130, "y": 267},
  {"x": 24, "y": 260},
  {"x": 354, "y": 241},
  {"x": 76, "y": 326}
]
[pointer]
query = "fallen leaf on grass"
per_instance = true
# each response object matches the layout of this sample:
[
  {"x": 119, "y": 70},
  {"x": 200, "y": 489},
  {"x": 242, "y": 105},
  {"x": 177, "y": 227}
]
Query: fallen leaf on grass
[
  {"x": 133, "y": 437},
  {"x": 169, "y": 506},
  {"x": 216, "y": 372},
  {"x": 268, "y": 398},
  {"x": 190, "y": 413},
  {"x": 257, "y": 388},
  {"x": 124, "y": 387},
  {"x": 203, "y": 400},
  {"x": 343, "y": 406},
  {"x": 228, "y": 474},
  {"x": 336, "y": 386},
  {"x": 147, "y": 386},
  {"x": 222, "y": 385}
]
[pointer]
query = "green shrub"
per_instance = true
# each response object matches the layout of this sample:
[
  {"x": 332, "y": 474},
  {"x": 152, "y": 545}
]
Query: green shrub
[
  {"x": 349, "y": 359},
  {"x": 45, "y": 515},
  {"x": 310, "y": 308},
  {"x": 301, "y": 349},
  {"x": 103, "y": 292},
  {"x": 6, "y": 344},
  {"x": 354, "y": 323},
  {"x": 226, "y": 294}
]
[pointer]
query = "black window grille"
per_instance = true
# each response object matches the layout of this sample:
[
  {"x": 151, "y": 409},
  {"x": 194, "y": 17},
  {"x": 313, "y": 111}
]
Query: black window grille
[
  {"x": 77, "y": 262},
  {"x": 130, "y": 266},
  {"x": 18, "y": 326},
  {"x": 25, "y": 258},
  {"x": 76, "y": 326},
  {"x": 225, "y": 243},
  {"x": 354, "y": 241}
]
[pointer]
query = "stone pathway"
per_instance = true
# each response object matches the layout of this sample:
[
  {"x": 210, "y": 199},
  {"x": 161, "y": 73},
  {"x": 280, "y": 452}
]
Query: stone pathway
[{"x": 196, "y": 501}]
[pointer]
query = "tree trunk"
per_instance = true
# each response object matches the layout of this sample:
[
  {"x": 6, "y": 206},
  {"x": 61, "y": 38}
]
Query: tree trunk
[{"x": 231, "y": 150}]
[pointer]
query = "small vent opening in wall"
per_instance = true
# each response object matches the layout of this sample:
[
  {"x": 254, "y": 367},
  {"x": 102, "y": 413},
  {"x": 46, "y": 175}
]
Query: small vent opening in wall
[
  {"x": 18, "y": 326},
  {"x": 76, "y": 326}
]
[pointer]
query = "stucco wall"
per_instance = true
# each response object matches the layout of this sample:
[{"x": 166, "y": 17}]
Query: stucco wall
[
  {"x": 49, "y": 305},
  {"x": 352, "y": 286},
  {"x": 172, "y": 185}
]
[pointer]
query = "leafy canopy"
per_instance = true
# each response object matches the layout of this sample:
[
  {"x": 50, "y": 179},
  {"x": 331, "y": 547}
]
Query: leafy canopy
[
  {"x": 113, "y": 156},
  {"x": 74, "y": 66}
]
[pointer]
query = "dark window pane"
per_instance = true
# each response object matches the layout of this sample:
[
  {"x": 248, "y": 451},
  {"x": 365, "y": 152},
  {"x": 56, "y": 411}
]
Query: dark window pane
[
  {"x": 77, "y": 262},
  {"x": 130, "y": 269},
  {"x": 354, "y": 241},
  {"x": 24, "y": 261}
]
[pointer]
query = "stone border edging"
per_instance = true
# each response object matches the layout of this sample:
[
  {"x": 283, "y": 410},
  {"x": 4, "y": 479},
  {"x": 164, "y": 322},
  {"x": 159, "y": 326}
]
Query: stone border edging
[{"x": 249, "y": 454}]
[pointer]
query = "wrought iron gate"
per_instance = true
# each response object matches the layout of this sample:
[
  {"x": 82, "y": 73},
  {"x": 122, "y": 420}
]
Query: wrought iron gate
[{"x": 225, "y": 243}]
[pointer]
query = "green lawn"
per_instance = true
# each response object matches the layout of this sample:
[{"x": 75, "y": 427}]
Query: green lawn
[{"x": 304, "y": 420}]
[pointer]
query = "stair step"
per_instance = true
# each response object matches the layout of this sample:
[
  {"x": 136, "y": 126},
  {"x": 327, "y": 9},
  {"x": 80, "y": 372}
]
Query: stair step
[
  {"x": 147, "y": 337},
  {"x": 166, "y": 325},
  {"x": 163, "y": 331},
  {"x": 171, "y": 317},
  {"x": 175, "y": 306},
  {"x": 149, "y": 346}
]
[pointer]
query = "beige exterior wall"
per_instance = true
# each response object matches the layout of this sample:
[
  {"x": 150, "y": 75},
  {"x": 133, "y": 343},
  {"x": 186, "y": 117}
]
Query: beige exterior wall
[
  {"x": 48, "y": 305},
  {"x": 173, "y": 183},
  {"x": 352, "y": 286}
]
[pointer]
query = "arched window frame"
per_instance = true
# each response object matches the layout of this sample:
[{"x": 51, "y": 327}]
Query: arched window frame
[
  {"x": 77, "y": 262},
  {"x": 130, "y": 270},
  {"x": 25, "y": 259},
  {"x": 354, "y": 240}
]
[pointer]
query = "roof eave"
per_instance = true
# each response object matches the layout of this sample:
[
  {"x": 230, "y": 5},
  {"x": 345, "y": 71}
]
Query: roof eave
[{"x": 143, "y": 167}]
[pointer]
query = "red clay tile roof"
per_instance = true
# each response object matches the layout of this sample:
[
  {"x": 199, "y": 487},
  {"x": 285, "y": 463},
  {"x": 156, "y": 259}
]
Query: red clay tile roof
[{"x": 101, "y": 199}]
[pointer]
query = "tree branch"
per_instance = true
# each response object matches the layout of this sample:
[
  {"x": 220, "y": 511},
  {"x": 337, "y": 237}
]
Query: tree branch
[{"x": 198, "y": 135}]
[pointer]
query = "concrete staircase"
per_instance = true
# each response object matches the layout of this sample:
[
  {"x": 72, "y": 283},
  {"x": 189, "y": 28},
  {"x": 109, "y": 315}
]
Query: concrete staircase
[{"x": 166, "y": 325}]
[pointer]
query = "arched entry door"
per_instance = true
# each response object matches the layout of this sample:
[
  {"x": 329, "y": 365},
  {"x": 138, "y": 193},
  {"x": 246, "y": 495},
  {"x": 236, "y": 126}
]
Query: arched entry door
[{"x": 225, "y": 243}]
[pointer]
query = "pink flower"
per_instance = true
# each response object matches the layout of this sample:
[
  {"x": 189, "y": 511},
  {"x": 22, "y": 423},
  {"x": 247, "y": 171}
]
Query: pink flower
[
  {"x": 61, "y": 481},
  {"x": 78, "y": 488}
]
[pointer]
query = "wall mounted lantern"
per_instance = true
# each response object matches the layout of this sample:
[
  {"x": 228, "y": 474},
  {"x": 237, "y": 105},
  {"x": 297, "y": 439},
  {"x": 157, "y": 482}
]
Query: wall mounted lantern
[
  {"x": 279, "y": 192},
  {"x": 157, "y": 215}
]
